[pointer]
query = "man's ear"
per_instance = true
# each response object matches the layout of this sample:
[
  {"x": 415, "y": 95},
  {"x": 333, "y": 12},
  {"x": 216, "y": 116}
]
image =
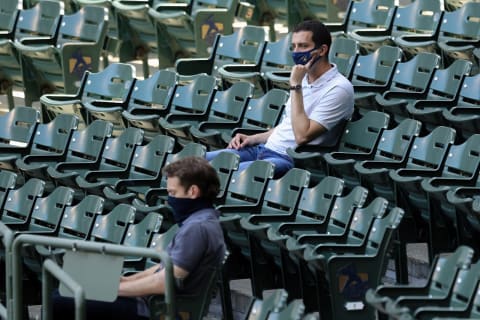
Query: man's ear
[{"x": 194, "y": 191}]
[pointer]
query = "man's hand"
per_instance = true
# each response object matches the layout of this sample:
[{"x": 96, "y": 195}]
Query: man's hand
[{"x": 240, "y": 140}]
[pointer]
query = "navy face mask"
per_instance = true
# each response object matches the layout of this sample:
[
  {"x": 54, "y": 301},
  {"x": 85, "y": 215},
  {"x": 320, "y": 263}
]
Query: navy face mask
[
  {"x": 303, "y": 57},
  {"x": 184, "y": 207}
]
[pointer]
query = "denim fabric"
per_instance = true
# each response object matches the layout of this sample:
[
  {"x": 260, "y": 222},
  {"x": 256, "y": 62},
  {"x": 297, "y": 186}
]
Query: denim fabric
[{"x": 282, "y": 163}]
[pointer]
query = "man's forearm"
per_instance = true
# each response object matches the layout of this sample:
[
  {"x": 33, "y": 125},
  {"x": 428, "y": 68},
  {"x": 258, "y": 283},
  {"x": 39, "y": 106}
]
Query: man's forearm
[{"x": 149, "y": 284}]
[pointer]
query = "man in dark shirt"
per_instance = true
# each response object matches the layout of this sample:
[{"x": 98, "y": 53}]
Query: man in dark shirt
[{"x": 197, "y": 247}]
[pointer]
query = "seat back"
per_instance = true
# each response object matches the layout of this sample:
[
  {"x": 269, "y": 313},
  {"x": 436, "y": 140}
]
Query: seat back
[
  {"x": 19, "y": 205},
  {"x": 415, "y": 74},
  {"x": 429, "y": 152},
  {"x": 461, "y": 24},
  {"x": 468, "y": 95},
  {"x": 8, "y": 180},
  {"x": 225, "y": 164},
  {"x": 87, "y": 145},
  {"x": 18, "y": 126},
  {"x": 119, "y": 151},
  {"x": 463, "y": 159},
  {"x": 77, "y": 220},
  {"x": 243, "y": 46},
  {"x": 371, "y": 14},
  {"x": 140, "y": 234},
  {"x": 282, "y": 194},
  {"x": 363, "y": 135},
  {"x": 48, "y": 211},
  {"x": 377, "y": 67},
  {"x": 147, "y": 163},
  {"x": 418, "y": 17},
  {"x": 9, "y": 11},
  {"x": 395, "y": 143},
  {"x": 39, "y": 21},
  {"x": 154, "y": 92},
  {"x": 230, "y": 104},
  {"x": 278, "y": 55},
  {"x": 112, "y": 226},
  {"x": 446, "y": 82},
  {"x": 343, "y": 52},
  {"x": 53, "y": 138},
  {"x": 88, "y": 24},
  {"x": 380, "y": 234},
  {"x": 264, "y": 113},
  {"x": 316, "y": 202},
  {"x": 194, "y": 97},
  {"x": 248, "y": 186}
]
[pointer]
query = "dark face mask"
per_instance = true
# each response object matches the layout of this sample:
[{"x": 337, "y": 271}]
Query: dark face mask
[
  {"x": 303, "y": 57},
  {"x": 183, "y": 207}
]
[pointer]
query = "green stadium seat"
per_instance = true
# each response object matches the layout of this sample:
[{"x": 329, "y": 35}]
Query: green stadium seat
[
  {"x": 344, "y": 52},
  {"x": 227, "y": 107},
  {"x": 112, "y": 226},
  {"x": 40, "y": 24},
  {"x": 262, "y": 308},
  {"x": 358, "y": 137},
  {"x": 98, "y": 90},
  {"x": 85, "y": 146},
  {"x": 150, "y": 99},
  {"x": 77, "y": 48},
  {"x": 225, "y": 164},
  {"x": 20, "y": 202}
]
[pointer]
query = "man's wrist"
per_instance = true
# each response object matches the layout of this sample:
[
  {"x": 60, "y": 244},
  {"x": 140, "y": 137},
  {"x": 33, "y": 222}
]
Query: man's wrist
[{"x": 295, "y": 87}]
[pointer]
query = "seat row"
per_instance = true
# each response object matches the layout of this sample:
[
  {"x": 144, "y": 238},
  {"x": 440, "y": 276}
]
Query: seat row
[
  {"x": 451, "y": 291},
  {"x": 44, "y": 50}
]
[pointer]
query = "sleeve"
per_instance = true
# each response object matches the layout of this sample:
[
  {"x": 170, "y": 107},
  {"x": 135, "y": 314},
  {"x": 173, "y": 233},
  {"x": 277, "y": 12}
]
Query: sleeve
[
  {"x": 334, "y": 106},
  {"x": 188, "y": 248}
]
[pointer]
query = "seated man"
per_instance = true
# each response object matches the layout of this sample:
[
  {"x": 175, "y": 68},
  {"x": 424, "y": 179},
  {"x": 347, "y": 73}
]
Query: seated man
[
  {"x": 321, "y": 100},
  {"x": 197, "y": 247}
]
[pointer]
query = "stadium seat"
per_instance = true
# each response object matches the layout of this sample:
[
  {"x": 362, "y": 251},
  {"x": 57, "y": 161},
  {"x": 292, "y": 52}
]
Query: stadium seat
[
  {"x": 191, "y": 101},
  {"x": 140, "y": 234},
  {"x": 9, "y": 11},
  {"x": 261, "y": 114},
  {"x": 225, "y": 164},
  {"x": 17, "y": 129},
  {"x": 84, "y": 146},
  {"x": 463, "y": 113},
  {"x": 411, "y": 81},
  {"x": 245, "y": 46},
  {"x": 393, "y": 143},
  {"x": 112, "y": 226},
  {"x": 192, "y": 32},
  {"x": 144, "y": 172},
  {"x": 344, "y": 272},
  {"x": 367, "y": 81},
  {"x": 20, "y": 202},
  {"x": 460, "y": 167},
  {"x": 150, "y": 99},
  {"x": 276, "y": 58},
  {"x": 77, "y": 48},
  {"x": 441, "y": 280},
  {"x": 344, "y": 52},
  {"x": 116, "y": 160},
  {"x": 39, "y": 23},
  {"x": 8, "y": 181},
  {"x": 358, "y": 137},
  {"x": 280, "y": 199},
  {"x": 50, "y": 139},
  {"x": 77, "y": 220},
  {"x": 261, "y": 309},
  {"x": 426, "y": 152},
  {"x": 459, "y": 299},
  {"x": 227, "y": 107},
  {"x": 417, "y": 18},
  {"x": 445, "y": 87},
  {"x": 98, "y": 90},
  {"x": 116, "y": 155}
]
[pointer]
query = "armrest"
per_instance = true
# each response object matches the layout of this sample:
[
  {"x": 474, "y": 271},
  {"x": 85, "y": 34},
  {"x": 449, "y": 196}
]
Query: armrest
[
  {"x": 372, "y": 32},
  {"x": 344, "y": 157},
  {"x": 191, "y": 66},
  {"x": 35, "y": 41}
]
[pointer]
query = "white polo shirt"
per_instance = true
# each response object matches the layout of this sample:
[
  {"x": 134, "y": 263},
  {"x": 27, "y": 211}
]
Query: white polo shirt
[{"x": 328, "y": 100}]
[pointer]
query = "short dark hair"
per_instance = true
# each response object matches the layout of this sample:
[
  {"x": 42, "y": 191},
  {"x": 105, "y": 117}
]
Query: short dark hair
[
  {"x": 320, "y": 33},
  {"x": 195, "y": 171}
]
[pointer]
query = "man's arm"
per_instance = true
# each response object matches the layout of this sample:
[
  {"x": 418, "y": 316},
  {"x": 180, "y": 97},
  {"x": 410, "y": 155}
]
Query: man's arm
[
  {"x": 304, "y": 129},
  {"x": 241, "y": 140},
  {"x": 148, "y": 283}
]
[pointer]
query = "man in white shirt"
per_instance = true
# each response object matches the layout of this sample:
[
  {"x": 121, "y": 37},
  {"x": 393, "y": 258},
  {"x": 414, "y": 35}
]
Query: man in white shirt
[{"x": 321, "y": 99}]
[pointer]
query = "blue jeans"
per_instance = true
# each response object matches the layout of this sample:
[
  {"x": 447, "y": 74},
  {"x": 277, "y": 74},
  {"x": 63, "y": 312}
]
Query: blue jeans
[{"x": 282, "y": 163}]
